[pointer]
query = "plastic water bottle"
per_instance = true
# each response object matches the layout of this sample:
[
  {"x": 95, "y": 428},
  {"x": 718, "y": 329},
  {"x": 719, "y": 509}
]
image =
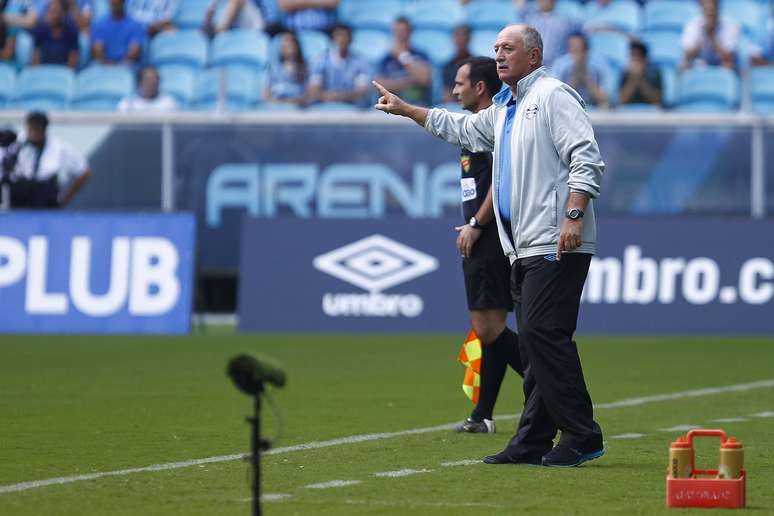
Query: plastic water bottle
[
  {"x": 731, "y": 459},
  {"x": 680, "y": 458}
]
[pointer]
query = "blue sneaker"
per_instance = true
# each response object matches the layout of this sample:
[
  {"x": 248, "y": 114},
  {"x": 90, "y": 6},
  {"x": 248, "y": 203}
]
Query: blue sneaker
[{"x": 564, "y": 456}]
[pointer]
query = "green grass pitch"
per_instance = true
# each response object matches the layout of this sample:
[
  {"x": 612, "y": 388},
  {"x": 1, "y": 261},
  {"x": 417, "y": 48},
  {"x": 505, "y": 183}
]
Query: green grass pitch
[{"x": 78, "y": 405}]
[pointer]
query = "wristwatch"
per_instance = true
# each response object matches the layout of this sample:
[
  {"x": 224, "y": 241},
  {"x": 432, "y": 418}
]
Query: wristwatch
[
  {"x": 474, "y": 223},
  {"x": 574, "y": 214}
]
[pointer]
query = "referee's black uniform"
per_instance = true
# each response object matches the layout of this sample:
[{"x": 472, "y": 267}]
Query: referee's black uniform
[{"x": 487, "y": 282}]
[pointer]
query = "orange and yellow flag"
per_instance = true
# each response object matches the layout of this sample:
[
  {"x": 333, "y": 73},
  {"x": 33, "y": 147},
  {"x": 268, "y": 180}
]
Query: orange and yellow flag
[{"x": 470, "y": 357}]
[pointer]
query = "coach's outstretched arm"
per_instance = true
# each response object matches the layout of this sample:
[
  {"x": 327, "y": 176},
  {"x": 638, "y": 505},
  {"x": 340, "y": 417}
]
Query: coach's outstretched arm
[{"x": 473, "y": 132}]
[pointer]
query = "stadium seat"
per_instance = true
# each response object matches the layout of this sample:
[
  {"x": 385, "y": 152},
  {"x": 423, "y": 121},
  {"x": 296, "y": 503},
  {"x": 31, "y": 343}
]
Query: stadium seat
[
  {"x": 435, "y": 14},
  {"x": 454, "y": 107},
  {"x": 101, "y": 8},
  {"x": 482, "y": 43},
  {"x": 710, "y": 88},
  {"x": 371, "y": 45},
  {"x": 664, "y": 48},
  {"x": 178, "y": 81},
  {"x": 638, "y": 108},
  {"x": 613, "y": 46},
  {"x": 748, "y": 14},
  {"x": 240, "y": 47},
  {"x": 313, "y": 43},
  {"x": 668, "y": 86},
  {"x": 435, "y": 43},
  {"x": 24, "y": 44},
  {"x": 7, "y": 83},
  {"x": 324, "y": 107},
  {"x": 762, "y": 89},
  {"x": 490, "y": 15},
  {"x": 243, "y": 86},
  {"x": 623, "y": 15},
  {"x": 669, "y": 15},
  {"x": 47, "y": 87},
  {"x": 370, "y": 14},
  {"x": 185, "y": 47},
  {"x": 101, "y": 87},
  {"x": 570, "y": 9},
  {"x": 84, "y": 50},
  {"x": 276, "y": 107},
  {"x": 190, "y": 14}
]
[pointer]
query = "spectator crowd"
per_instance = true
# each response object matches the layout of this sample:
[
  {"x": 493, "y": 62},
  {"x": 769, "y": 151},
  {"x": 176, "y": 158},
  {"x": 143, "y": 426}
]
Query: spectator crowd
[{"x": 325, "y": 52}]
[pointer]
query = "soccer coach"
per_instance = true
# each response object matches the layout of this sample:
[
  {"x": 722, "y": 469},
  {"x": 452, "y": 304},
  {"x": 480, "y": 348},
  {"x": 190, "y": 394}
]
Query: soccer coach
[{"x": 547, "y": 168}]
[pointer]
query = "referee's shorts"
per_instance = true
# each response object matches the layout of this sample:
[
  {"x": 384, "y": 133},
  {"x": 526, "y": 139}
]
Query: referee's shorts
[{"x": 487, "y": 274}]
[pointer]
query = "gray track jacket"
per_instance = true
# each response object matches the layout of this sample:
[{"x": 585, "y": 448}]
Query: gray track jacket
[{"x": 553, "y": 152}]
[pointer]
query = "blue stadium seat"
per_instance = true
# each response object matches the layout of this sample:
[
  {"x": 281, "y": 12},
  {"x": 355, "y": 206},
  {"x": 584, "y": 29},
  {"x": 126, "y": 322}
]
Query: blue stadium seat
[
  {"x": 313, "y": 43},
  {"x": 454, "y": 107},
  {"x": 490, "y": 15},
  {"x": 101, "y": 87},
  {"x": 482, "y": 43},
  {"x": 178, "y": 81},
  {"x": 326, "y": 107},
  {"x": 48, "y": 87},
  {"x": 435, "y": 14},
  {"x": 243, "y": 87},
  {"x": 668, "y": 86},
  {"x": 435, "y": 43},
  {"x": 185, "y": 47},
  {"x": 638, "y": 108},
  {"x": 570, "y": 9},
  {"x": 101, "y": 9},
  {"x": 613, "y": 46},
  {"x": 7, "y": 83},
  {"x": 240, "y": 47},
  {"x": 623, "y": 15},
  {"x": 669, "y": 15},
  {"x": 84, "y": 50},
  {"x": 190, "y": 14},
  {"x": 277, "y": 107},
  {"x": 24, "y": 45},
  {"x": 710, "y": 88},
  {"x": 664, "y": 48},
  {"x": 371, "y": 45},
  {"x": 370, "y": 14},
  {"x": 762, "y": 89},
  {"x": 748, "y": 14}
]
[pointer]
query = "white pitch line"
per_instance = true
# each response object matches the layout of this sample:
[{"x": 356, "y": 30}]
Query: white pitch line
[
  {"x": 764, "y": 414},
  {"x": 466, "y": 462},
  {"x": 631, "y": 402},
  {"x": 631, "y": 435},
  {"x": 679, "y": 428},
  {"x": 273, "y": 497},
  {"x": 729, "y": 420},
  {"x": 402, "y": 473},
  {"x": 333, "y": 483}
]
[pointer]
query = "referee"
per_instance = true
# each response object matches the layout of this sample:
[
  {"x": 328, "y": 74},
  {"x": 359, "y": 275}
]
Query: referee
[{"x": 485, "y": 267}]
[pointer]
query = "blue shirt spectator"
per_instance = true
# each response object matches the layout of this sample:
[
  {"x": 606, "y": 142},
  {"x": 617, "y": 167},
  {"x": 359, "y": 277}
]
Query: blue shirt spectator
[
  {"x": 339, "y": 76},
  {"x": 117, "y": 37},
  {"x": 406, "y": 70},
  {"x": 56, "y": 37},
  {"x": 156, "y": 15},
  {"x": 586, "y": 76},
  {"x": 554, "y": 29},
  {"x": 762, "y": 53},
  {"x": 287, "y": 76},
  {"x": 309, "y": 14}
]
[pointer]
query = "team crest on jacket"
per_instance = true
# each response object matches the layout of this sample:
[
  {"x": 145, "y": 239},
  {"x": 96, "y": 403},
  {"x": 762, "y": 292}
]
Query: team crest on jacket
[
  {"x": 532, "y": 112},
  {"x": 465, "y": 161}
]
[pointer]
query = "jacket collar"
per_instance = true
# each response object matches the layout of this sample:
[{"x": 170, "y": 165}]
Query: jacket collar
[{"x": 522, "y": 86}]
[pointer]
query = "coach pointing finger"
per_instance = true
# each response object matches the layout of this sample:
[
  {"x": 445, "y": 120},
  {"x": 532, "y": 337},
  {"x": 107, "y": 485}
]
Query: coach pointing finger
[{"x": 546, "y": 170}]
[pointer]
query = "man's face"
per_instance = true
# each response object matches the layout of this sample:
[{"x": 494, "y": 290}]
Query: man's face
[
  {"x": 149, "y": 83},
  {"x": 35, "y": 135},
  {"x": 402, "y": 32},
  {"x": 117, "y": 7},
  {"x": 463, "y": 90},
  {"x": 55, "y": 13},
  {"x": 546, "y": 6},
  {"x": 710, "y": 10},
  {"x": 461, "y": 38},
  {"x": 513, "y": 59},
  {"x": 342, "y": 38},
  {"x": 577, "y": 49}
]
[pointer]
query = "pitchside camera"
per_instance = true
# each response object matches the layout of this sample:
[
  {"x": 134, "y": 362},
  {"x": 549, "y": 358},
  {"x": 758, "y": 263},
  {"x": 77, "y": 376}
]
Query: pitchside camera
[{"x": 250, "y": 374}]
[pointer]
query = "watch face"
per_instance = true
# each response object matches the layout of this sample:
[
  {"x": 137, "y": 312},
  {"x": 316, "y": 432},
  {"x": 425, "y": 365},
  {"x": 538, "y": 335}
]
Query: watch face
[{"x": 574, "y": 213}]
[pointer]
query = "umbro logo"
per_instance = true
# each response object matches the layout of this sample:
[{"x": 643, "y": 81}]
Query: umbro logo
[
  {"x": 531, "y": 112},
  {"x": 375, "y": 263}
]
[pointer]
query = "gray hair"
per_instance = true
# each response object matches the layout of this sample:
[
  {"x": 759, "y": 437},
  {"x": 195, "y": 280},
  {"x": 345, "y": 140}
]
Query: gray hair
[{"x": 532, "y": 39}]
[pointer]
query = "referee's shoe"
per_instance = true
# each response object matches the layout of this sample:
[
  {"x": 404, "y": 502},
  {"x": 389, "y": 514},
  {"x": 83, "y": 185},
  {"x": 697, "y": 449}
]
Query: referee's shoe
[{"x": 485, "y": 426}]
